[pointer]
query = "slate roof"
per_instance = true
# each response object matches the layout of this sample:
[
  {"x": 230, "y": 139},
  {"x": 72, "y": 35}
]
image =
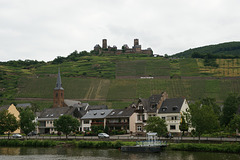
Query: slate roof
[
  {"x": 57, "y": 112},
  {"x": 5, "y": 107},
  {"x": 172, "y": 105},
  {"x": 97, "y": 114},
  {"x": 121, "y": 113},
  {"x": 59, "y": 81},
  {"x": 24, "y": 105},
  {"x": 74, "y": 103},
  {"x": 97, "y": 107},
  {"x": 149, "y": 104}
]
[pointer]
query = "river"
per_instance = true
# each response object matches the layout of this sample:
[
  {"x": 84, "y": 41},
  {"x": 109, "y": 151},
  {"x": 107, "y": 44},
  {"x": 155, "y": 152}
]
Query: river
[{"x": 26, "y": 153}]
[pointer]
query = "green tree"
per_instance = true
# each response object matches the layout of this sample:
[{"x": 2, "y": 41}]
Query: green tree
[
  {"x": 234, "y": 125},
  {"x": 183, "y": 125},
  {"x": 212, "y": 103},
  {"x": 8, "y": 122},
  {"x": 27, "y": 123},
  {"x": 66, "y": 124},
  {"x": 156, "y": 124},
  {"x": 230, "y": 108},
  {"x": 203, "y": 119}
]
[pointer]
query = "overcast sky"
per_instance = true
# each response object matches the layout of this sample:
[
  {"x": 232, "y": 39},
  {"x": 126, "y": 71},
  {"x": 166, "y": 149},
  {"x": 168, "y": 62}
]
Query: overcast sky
[{"x": 45, "y": 29}]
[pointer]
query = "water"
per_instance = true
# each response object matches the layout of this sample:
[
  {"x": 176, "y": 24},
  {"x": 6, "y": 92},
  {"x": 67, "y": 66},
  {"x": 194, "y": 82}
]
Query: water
[{"x": 24, "y": 153}]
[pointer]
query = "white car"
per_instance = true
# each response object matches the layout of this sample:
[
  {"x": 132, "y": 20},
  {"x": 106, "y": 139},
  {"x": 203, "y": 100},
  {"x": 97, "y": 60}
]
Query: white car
[
  {"x": 17, "y": 136},
  {"x": 103, "y": 135}
]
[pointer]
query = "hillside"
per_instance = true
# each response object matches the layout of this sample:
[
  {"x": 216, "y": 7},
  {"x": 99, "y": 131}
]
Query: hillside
[
  {"x": 229, "y": 48},
  {"x": 116, "y": 80}
]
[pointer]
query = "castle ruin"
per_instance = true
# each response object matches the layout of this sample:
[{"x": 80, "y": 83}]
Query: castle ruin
[{"x": 136, "y": 49}]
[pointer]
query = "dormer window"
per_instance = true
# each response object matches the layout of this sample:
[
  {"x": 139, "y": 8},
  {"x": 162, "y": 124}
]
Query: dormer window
[
  {"x": 102, "y": 113},
  {"x": 120, "y": 112},
  {"x": 175, "y": 108},
  {"x": 95, "y": 113},
  {"x": 164, "y": 109}
]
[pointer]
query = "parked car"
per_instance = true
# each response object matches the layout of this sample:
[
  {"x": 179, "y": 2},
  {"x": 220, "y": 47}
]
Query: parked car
[
  {"x": 17, "y": 136},
  {"x": 32, "y": 134},
  {"x": 103, "y": 135}
]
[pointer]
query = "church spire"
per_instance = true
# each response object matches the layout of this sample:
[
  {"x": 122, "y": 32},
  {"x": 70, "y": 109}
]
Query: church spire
[
  {"x": 58, "y": 93},
  {"x": 59, "y": 81}
]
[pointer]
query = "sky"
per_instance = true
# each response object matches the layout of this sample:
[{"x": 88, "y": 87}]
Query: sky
[{"x": 45, "y": 29}]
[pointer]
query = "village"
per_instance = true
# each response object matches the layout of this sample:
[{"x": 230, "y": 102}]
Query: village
[{"x": 130, "y": 120}]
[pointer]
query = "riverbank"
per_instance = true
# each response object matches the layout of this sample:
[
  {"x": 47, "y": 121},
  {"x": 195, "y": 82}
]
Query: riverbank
[
  {"x": 203, "y": 147},
  {"x": 199, "y": 147}
]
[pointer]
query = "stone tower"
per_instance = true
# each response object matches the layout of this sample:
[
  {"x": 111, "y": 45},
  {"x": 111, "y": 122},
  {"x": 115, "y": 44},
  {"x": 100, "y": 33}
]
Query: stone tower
[
  {"x": 58, "y": 93},
  {"x": 104, "y": 44},
  {"x": 136, "y": 42}
]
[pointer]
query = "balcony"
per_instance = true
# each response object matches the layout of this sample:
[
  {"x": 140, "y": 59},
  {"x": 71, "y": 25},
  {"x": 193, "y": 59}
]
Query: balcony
[
  {"x": 97, "y": 123},
  {"x": 117, "y": 124}
]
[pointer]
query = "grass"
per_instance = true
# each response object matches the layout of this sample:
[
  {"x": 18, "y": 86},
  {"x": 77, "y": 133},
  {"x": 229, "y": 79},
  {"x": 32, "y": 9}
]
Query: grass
[
  {"x": 28, "y": 143},
  {"x": 102, "y": 144},
  {"x": 224, "y": 147}
]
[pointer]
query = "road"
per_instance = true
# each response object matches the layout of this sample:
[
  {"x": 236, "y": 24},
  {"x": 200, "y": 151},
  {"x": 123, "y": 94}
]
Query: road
[{"x": 128, "y": 138}]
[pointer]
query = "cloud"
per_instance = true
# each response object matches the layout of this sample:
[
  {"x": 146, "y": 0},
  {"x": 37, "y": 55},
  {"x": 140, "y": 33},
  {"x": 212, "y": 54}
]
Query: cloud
[{"x": 43, "y": 30}]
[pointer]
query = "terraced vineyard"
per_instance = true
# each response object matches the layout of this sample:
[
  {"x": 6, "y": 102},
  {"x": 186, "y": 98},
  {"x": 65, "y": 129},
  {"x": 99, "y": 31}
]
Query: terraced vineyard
[
  {"x": 227, "y": 68},
  {"x": 127, "y": 90},
  {"x": 116, "y": 81}
]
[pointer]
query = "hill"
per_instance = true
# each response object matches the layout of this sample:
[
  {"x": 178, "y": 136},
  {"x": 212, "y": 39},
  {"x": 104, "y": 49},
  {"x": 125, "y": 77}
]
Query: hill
[
  {"x": 226, "y": 49},
  {"x": 117, "y": 80}
]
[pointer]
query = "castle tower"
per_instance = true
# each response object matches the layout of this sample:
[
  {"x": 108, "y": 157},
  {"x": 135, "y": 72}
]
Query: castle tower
[
  {"x": 136, "y": 42},
  {"x": 104, "y": 43},
  {"x": 58, "y": 93}
]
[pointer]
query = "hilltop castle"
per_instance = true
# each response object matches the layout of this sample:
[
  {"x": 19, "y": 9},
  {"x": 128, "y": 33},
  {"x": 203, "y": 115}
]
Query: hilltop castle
[{"x": 136, "y": 49}]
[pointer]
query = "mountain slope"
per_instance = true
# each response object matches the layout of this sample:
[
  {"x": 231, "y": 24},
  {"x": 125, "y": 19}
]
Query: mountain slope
[{"x": 228, "y": 48}]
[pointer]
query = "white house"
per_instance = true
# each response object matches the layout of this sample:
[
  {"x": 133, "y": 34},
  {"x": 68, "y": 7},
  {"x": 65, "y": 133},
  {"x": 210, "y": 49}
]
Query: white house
[{"x": 171, "y": 110}]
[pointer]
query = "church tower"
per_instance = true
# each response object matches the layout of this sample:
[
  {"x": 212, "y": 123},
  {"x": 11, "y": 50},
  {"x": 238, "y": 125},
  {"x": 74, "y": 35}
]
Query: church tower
[{"x": 58, "y": 93}]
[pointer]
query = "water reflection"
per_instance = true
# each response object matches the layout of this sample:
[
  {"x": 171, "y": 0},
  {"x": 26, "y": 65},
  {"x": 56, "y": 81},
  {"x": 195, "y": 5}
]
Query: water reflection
[{"x": 23, "y": 153}]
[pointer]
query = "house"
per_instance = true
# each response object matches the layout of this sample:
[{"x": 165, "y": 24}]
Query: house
[
  {"x": 47, "y": 117},
  {"x": 94, "y": 117},
  {"x": 119, "y": 119},
  {"x": 158, "y": 105},
  {"x": 12, "y": 109},
  {"x": 143, "y": 109},
  {"x": 171, "y": 110}
]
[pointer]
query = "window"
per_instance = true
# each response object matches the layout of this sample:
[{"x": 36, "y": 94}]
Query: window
[
  {"x": 86, "y": 121},
  {"x": 172, "y": 127},
  {"x": 164, "y": 118},
  {"x": 143, "y": 117},
  {"x": 56, "y": 94},
  {"x": 174, "y": 118},
  {"x": 139, "y": 128},
  {"x": 138, "y": 117}
]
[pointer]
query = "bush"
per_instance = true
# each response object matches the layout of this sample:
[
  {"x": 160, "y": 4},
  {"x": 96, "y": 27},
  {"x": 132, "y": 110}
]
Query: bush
[
  {"x": 28, "y": 143},
  {"x": 225, "y": 147}
]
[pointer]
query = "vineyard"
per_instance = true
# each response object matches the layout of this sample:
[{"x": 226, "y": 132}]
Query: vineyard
[{"x": 116, "y": 81}]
